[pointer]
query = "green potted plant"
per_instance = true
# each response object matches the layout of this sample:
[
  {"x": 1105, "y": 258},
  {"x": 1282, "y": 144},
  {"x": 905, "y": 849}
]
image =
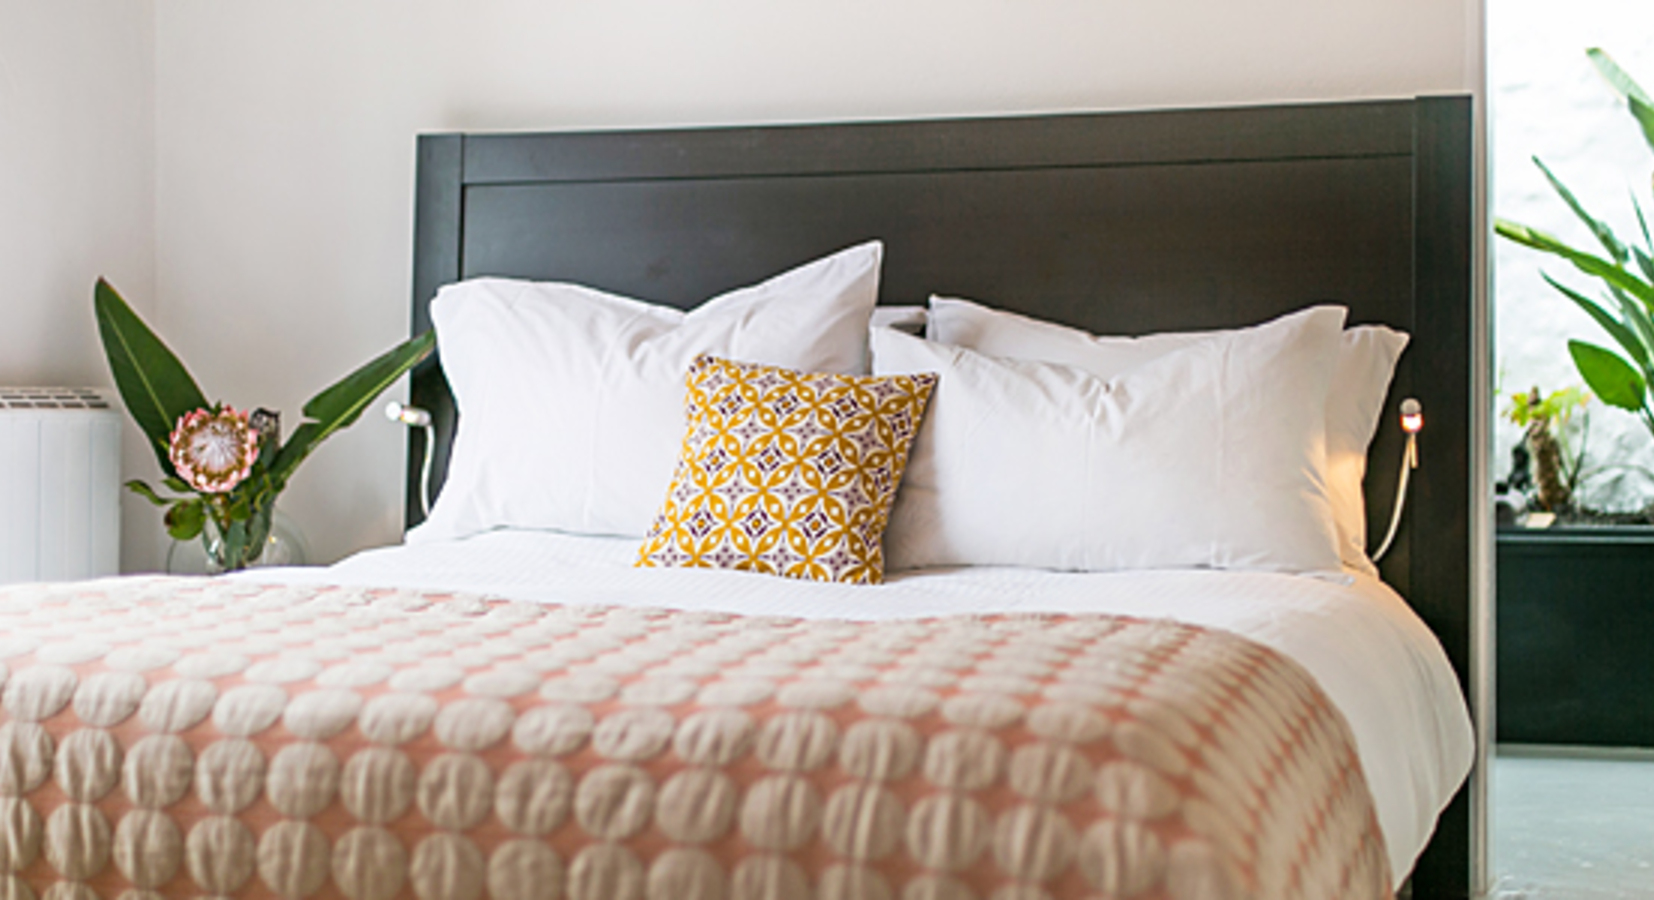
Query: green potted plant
[
  {"x": 1551, "y": 466},
  {"x": 1573, "y": 615},
  {"x": 224, "y": 468},
  {"x": 1625, "y": 309}
]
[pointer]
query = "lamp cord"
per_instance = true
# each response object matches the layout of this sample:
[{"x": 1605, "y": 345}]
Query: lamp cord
[
  {"x": 415, "y": 417},
  {"x": 1409, "y": 461},
  {"x": 428, "y": 455}
]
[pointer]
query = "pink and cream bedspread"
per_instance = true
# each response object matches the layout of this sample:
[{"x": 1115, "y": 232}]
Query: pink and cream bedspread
[{"x": 202, "y": 737}]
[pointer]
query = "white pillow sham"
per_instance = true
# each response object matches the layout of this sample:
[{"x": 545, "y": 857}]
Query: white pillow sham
[
  {"x": 1355, "y": 401},
  {"x": 909, "y": 319},
  {"x": 571, "y": 399},
  {"x": 1209, "y": 456}
]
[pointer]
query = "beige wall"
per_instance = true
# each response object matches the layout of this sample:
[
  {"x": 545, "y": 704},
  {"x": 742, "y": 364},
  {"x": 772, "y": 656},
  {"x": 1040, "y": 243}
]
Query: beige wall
[
  {"x": 77, "y": 162},
  {"x": 284, "y": 136}
]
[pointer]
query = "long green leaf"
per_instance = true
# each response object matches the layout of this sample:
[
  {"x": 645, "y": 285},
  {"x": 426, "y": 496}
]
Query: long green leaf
[
  {"x": 1622, "y": 334},
  {"x": 1645, "y": 261},
  {"x": 1636, "y": 317},
  {"x": 153, "y": 384},
  {"x": 1609, "y": 376},
  {"x": 1644, "y": 114},
  {"x": 1642, "y": 105},
  {"x": 1588, "y": 263},
  {"x": 234, "y": 537},
  {"x": 1625, "y": 84},
  {"x": 303, "y": 440},
  {"x": 1604, "y": 234},
  {"x": 343, "y": 402}
]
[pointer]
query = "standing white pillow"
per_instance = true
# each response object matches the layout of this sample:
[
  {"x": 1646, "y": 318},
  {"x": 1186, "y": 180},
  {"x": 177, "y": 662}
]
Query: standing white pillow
[
  {"x": 1355, "y": 399},
  {"x": 1208, "y": 456},
  {"x": 571, "y": 399}
]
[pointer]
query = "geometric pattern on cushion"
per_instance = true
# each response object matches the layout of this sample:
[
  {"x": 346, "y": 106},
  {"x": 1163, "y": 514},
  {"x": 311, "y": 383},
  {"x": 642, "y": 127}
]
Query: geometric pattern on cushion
[{"x": 787, "y": 473}]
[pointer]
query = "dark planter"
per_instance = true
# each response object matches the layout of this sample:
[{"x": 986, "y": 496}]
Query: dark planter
[{"x": 1576, "y": 636}]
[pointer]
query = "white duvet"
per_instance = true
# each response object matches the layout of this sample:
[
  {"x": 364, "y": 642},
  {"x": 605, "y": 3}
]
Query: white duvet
[{"x": 1377, "y": 661}]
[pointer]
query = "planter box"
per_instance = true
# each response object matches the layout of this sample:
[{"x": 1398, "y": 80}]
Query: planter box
[{"x": 1575, "y": 636}]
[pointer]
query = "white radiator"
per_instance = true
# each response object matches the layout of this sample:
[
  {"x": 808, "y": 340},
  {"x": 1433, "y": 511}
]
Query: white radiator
[{"x": 60, "y": 473}]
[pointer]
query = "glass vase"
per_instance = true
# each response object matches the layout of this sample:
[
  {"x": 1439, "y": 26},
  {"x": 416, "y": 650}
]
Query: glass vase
[{"x": 276, "y": 541}]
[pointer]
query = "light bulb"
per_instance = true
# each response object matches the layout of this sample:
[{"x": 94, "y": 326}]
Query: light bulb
[
  {"x": 1412, "y": 416},
  {"x": 407, "y": 415}
]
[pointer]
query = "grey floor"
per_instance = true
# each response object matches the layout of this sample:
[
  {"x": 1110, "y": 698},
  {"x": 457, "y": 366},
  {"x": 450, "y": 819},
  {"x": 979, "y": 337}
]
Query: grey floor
[{"x": 1572, "y": 825}]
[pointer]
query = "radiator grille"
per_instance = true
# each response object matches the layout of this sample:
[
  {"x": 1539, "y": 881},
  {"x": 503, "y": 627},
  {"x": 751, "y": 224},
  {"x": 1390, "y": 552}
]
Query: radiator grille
[
  {"x": 51, "y": 398},
  {"x": 60, "y": 468}
]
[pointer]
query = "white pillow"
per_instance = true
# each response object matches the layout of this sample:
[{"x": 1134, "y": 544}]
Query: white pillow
[
  {"x": 1355, "y": 400},
  {"x": 909, "y": 319},
  {"x": 1209, "y": 456},
  {"x": 571, "y": 399}
]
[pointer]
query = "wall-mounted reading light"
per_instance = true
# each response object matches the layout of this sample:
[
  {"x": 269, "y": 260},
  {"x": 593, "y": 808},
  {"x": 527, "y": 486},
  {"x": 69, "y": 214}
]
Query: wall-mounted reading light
[
  {"x": 1412, "y": 422},
  {"x": 414, "y": 417}
]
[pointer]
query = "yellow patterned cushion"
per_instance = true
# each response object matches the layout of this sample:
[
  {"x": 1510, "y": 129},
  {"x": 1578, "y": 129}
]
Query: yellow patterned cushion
[{"x": 787, "y": 473}]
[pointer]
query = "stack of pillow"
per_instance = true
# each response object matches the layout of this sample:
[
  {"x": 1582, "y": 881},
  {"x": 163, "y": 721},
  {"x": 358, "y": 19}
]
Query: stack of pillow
[{"x": 748, "y": 433}]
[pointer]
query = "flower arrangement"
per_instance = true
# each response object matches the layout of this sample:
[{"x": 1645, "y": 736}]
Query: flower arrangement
[
  {"x": 224, "y": 467},
  {"x": 213, "y": 450}
]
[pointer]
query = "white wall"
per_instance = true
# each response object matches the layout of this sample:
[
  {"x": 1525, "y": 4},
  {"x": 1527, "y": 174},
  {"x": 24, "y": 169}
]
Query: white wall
[
  {"x": 285, "y": 135},
  {"x": 77, "y": 162},
  {"x": 1548, "y": 101}
]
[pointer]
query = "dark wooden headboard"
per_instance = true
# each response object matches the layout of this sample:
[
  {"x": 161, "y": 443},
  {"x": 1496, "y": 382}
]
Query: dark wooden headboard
[{"x": 1121, "y": 223}]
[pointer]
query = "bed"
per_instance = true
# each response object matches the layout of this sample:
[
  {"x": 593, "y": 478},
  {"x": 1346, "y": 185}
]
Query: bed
[{"x": 521, "y": 713}]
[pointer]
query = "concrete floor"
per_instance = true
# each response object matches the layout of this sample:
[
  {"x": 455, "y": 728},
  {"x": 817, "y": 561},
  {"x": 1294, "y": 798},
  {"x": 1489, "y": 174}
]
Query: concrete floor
[{"x": 1573, "y": 824}]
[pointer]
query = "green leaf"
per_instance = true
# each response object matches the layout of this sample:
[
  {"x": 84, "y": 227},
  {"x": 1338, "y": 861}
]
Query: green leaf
[
  {"x": 1630, "y": 340},
  {"x": 257, "y": 536},
  {"x": 244, "y": 539},
  {"x": 1610, "y": 377},
  {"x": 1642, "y": 225},
  {"x": 145, "y": 491},
  {"x": 1642, "y": 106},
  {"x": 343, "y": 402},
  {"x": 1636, "y": 317},
  {"x": 1644, "y": 262},
  {"x": 1520, "y": 412},
  {"x": 176, "y": 484},
  {"x": 1605, "y": 235},
  {"x": 267, "y": 450},
  {"x": 240, "y": 508},
  {"x": 235, "y": 546},
  {"x": 153, "y": 384},
  {"x": 1623, "y": 83},
  {"x": 303, "y": 440},
  {"x": 1590, "y": 264},
  {"x": 185, "y": 520}
]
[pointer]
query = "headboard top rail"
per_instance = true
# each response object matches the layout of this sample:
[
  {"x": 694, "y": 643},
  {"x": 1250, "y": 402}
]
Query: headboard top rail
[{"x": 1232, "y": 134}]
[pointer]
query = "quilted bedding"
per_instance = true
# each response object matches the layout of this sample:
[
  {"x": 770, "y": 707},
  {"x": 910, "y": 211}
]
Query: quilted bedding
[{"x": 209, "y": 737}]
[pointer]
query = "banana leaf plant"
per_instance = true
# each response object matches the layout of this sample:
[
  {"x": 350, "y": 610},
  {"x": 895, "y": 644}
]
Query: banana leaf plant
[
  {"x": 223, "y": 469},
  {"x": 1624, "y": 272}
]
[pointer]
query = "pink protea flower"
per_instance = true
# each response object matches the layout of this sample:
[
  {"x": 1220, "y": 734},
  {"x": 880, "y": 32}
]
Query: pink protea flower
[{"x": 213, "y": 451}]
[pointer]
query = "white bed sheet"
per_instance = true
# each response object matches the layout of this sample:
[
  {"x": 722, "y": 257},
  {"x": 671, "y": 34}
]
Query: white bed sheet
[{"x": 1378, "y": 662}]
